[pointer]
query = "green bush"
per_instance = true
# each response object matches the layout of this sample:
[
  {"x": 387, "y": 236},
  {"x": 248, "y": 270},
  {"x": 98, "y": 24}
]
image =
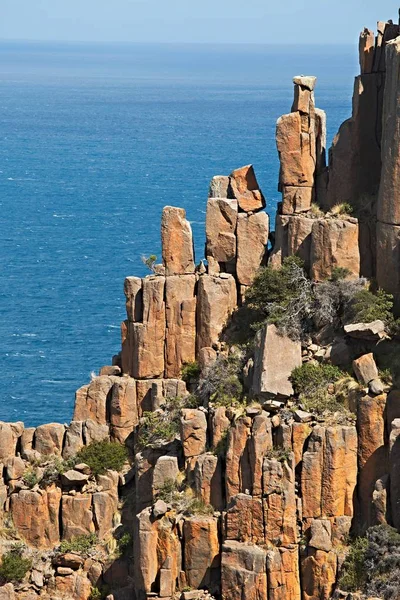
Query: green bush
[
  {"x": 30, "y": 478},
  {"x": 190, "y": 371},
  {"x": 95, "y": 594},
  {"x": 104, "y": 455},
  {"x": 280, "y": 454},
  {"x": 80, "y": 543},
  {"x": 157, "y": 428},
  {"x": 373, "y": 564},
  {"x": 149, "y": 261},
  {"x": 367, "y": 307},
  {"x": 222, "y": 383},
  {"x": 339, "y": 273},
  {"x": 14, "y": 566},
  {"x": 310, "y": 378},
  {"x": 124, "y": 543},
  {"x": 168, "y": 491},
  {"x": 353, "y": 575}
]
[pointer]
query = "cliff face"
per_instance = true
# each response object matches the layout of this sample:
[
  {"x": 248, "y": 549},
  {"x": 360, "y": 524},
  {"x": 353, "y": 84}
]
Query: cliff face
[{"x": 232, "y": 488}]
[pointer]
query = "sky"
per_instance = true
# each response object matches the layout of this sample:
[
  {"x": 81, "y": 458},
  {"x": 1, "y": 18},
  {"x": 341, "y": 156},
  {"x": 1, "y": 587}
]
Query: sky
[{"x": 212, "y": 21}]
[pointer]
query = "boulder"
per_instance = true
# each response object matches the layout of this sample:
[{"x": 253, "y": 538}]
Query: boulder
[
  {"x": 296, "y": 199},
  {"x": 72, "y": 478},
  {"x": 245, "y": 189},
  {"x": 275, "y": 358},
  {"x": 334, "y": 243},
  {"x": 201, "y": 552},
  {"x": 165, "y": 470},
  {"x": 93, "y": 432},
  {"x": 180, "y": 339},
  {"x": 252, "y": 239},
  {"x": 243, "y": 572},
  {"x": 216, "y": 300},
  {"x": 8, "y": 440},
  {"x": 221, "y": 220},
  {"x": 7, "y": 592},
  {"x": 177, "y": 242},
  {"x": 91, "y": 400},
  {"x": 373, "y": 331},
  {"x": 365, "y": 369},
  {"x": 35, "y": 515},
  {"x": 15, "y": 468},
  {"x": 320, "y": 535}
]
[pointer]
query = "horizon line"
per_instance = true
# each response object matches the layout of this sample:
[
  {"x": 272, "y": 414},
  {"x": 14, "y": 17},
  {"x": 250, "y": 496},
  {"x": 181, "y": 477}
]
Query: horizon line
[{"x": 171, "y": 43}]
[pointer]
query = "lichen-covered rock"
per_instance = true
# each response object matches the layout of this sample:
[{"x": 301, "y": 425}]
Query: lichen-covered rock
[
  {"x": 180, "y": 339},
  {"x": 219, "y": 187},
  {"x": 216, "y": 300},
  {"x": 275, "y": 358},
  {"x": 365, "y": 369},
  {"x": 245, "y": 189},
  {"x": 177, "y": 242},
  {"x": 243, "y": 572},
  {"x": 165, "y": 470},
  {"x": 36, "y": 515}
]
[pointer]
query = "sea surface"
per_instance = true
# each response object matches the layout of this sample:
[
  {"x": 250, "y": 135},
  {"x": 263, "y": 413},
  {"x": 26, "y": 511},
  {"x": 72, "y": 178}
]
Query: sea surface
[{"x": 95, "y": 140}]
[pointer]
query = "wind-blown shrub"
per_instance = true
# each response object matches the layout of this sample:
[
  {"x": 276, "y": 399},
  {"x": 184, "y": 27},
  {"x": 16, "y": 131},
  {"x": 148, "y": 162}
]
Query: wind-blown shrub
[{"x": 104, "y": 455}]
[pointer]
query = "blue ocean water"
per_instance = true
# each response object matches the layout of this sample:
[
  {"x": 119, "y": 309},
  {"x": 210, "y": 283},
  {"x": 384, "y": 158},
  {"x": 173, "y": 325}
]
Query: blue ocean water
[{"x": 95, "y": 140}]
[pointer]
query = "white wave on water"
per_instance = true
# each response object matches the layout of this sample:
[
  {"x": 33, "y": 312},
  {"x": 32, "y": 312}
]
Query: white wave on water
[{"x": 113, "y": 326}]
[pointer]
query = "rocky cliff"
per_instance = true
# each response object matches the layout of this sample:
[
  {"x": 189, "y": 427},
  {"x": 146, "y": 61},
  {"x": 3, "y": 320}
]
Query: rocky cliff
[{"x": 252, "y": 462}]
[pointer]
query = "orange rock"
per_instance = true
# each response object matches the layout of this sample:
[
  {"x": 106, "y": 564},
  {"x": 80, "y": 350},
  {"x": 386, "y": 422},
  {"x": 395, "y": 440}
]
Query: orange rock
[
  {"x": 91, "y": 400},
  {"x": 252, "y": 239},
  {"x": 244, "y": 519},
  {"x": 340, "y": 471},
  {"x": 77, "y": 517},
  {"x": 8, "y": 439},
  {"x": 366, "y": 50},
  {"x": 123, "y": 408},
  {"x": 49, "y": 439},
  {"x": 394, "y": 471},
  {"x": 193, "y": 432},
  {"x": 318, "y": 574},
  {"x": 202, "y": 552},
  {"x": 259, "y": 444},
  {"x": 216, "y": 300},
  {"x": 35, "y": 515},
  {"x": 296, "y": 199},
  {"x": 237, "y": 469},
  {"x": 334, "y": 243},
  {"x": 73, "y": 441},
  {"x": 76, "y": 586},
  {"x": 105, "y": 506},
  {"x": 279, "y": 502},
  {"x": 283, "y": 574},
  {"x": 372, "y": 452},
  {"x": 219, "y": 425},
  {"x": 207, "y": 474},
  {"x": 134, "y": 298},
  {"x": 300, "y": 433},
  {"x": 177, "y": 242},
  {"x": 245, "y": 189},
  {"x": 221, "y": 220},
  {"x": 243, "y": 572},
  {"x": 299, "y": 230},
  {"x": 312, "y": 473},
  {"x": 365, "y": 369},
  {"x": 180, "y": 303}
]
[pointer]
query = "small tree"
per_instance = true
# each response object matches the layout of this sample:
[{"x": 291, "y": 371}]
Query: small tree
[{"x": 150, "y": 261}]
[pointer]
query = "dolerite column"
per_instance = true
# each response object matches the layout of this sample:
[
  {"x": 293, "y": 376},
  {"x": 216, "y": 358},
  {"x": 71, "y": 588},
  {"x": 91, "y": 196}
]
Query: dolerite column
[{"x": 388, "y": 212}]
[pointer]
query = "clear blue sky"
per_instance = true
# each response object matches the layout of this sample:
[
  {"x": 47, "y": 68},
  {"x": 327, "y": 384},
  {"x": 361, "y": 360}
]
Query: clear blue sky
[{"x": 236, "y": 21}]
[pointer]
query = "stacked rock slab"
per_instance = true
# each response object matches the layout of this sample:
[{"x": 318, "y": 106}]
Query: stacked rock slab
[
  {"x": 237, "y": 228},
  {"x": 323, "y": 242}
]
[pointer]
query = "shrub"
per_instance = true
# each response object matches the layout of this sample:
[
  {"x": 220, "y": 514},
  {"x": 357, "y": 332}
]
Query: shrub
[
  {"x": 150, "y": 261},
  {"x": 280, "y": 454},
  {"x": 222, "y": 382},
  {"x": 367, "y": 306},
  {"x": 373, "y": 564},
  {"x": 104, "y": 455},
  {"x": 310, "y": 378},
  {"x": 332, "y": 299},
  {"x": 190, "y": 371},
  {"x": 95, "y": 594},
  {"x": 30, "y": 478},
  {"x": 81, "y": 543},
  {"x": 14, "y": 566},
  {"x": 283, "y": 297},
  {"x": 339, "y": 273},
  {"x": 124, "y": 543},
  {"x": 344, "y": 208},
  {"x": 222, "y": 446},
  {"x": 353, "y": 574},
  {"x": 157, "y": 428},
  {"x": 168, "y": 490}
]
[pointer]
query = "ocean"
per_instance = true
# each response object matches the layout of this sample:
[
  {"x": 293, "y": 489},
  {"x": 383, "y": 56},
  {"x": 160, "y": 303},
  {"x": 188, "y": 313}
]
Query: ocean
[{"x": 95, "y": 140}]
